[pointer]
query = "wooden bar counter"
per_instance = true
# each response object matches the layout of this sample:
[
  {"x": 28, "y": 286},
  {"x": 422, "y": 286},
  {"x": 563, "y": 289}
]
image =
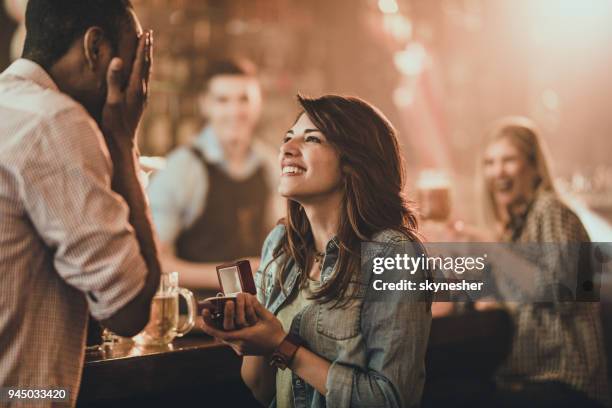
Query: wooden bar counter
[
  {"x": 194, "y": 370},
  {"x": 463, "y": 353}
]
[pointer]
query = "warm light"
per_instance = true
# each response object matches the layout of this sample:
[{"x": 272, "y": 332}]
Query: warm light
[
  {"x": 433, "y": 179},
  {"x": 554, "y": 22},
  {"x": 403, "y": 97},
  {"x": 388, "y": 6},
  {"x": 412, "y": 60},
  {"x": 569, "y": 9},
  {"x": 550, "y": 100},
  {"x": 398, "y": 26}
]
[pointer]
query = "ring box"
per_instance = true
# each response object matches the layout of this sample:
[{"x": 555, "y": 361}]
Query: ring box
[{"x": 234, "y": 278}]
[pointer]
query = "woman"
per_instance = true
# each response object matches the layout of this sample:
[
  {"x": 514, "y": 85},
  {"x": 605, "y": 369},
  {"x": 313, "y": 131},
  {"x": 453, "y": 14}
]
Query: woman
[
  {"x": 557, "y": 358},
  {"x": 348, "y": 346}
]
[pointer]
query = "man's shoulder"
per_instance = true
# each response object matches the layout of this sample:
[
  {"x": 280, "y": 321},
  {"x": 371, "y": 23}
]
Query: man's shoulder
[
  {"x": 31, "y": 99},
  {"x": 40, "y": 122},
  {"x": 29, "y": 112},
  {"x": 51, "y": 105}
]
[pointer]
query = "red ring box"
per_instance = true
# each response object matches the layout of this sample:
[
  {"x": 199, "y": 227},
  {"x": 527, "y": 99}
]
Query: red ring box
[{"x": 234, "y": 278}]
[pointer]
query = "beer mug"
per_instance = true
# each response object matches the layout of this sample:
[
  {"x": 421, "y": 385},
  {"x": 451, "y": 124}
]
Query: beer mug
[
  {"x": 163, "y": 326},
  {"x": 433, "y": 195}
]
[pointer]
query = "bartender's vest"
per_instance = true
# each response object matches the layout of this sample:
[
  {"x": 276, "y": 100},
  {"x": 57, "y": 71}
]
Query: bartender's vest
[{"x": 232, "y": 225}]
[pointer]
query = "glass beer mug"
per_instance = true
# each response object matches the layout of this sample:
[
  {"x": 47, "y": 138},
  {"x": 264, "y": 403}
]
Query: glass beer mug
[
  {"x": 163, "y": 326},
  {"x": 433, "y": 195}
]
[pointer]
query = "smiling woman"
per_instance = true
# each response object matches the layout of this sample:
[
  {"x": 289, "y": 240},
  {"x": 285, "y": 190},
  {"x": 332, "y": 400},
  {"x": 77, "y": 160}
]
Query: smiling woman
[
  {"x": 557, "y": 354},
  {"x": 316, "y": 312},
  {"x": 515, "y": 167},
  {"x": 309, "y": 162}
]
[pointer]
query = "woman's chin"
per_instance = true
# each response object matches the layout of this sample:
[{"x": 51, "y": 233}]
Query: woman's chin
[
  {"x": 288, "y": 193},
  {"x": 293, "y": 195},
  {"x": 306, "y": 196}
]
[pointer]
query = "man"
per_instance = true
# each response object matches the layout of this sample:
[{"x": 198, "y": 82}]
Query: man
[
  {"x": 212, "y": 202},
  {"x": 74, "y": 230}
]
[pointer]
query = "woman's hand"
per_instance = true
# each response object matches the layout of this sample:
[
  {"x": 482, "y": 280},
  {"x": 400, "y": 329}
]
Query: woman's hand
[
  {"x": 248, "y": 327},
  {"x": 240, "y": 314}
]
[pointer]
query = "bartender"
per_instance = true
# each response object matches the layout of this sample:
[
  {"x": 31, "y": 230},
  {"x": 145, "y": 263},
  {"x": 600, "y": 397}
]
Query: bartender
[{"x": 213, "y": 202}]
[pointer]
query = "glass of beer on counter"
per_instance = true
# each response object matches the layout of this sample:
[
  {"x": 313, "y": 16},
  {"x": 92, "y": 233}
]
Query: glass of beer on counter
[
  {"x": 433, "y": 195},
  {"x": 163, "y": 326}
]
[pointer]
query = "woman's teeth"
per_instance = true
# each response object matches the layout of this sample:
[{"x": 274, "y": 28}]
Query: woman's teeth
[{"x": 292, "y": 170}]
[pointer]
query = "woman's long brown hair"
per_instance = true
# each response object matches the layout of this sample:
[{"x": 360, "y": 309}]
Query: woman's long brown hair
[{"x": 373, "y": 179}]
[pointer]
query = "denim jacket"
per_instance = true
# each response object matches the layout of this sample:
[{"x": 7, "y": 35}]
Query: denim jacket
[{"x": 376, "y": 345}]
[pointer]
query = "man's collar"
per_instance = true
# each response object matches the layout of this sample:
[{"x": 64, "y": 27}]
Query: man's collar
[
  {"x": 30, "y": 70},
  {"x": 210, "y": 146}
]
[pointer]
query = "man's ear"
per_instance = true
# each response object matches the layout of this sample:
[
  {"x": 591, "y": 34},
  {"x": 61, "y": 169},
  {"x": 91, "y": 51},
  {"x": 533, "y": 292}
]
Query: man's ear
[{"x": 92, "y": 46}]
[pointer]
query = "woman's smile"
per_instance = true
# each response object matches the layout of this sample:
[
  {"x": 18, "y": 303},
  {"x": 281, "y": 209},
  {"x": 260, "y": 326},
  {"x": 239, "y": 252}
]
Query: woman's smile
[{"x": 291, "y": 169}]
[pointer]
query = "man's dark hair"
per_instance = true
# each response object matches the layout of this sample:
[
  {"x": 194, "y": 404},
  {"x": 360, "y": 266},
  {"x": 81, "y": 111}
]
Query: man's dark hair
[
  {"x": 54, "y": 25},
  {"x": 229, "y": 66}
]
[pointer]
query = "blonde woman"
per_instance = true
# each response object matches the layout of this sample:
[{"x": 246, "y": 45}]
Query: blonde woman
[{"x": 558, "y": 358}]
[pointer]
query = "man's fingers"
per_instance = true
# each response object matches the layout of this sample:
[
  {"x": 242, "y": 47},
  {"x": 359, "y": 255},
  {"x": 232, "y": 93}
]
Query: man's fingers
[
  {"x": 136, "y": 83},
  {"x": 148, "y": 59},
  {"x": 146, "y": 67},
  {"x": 113, "y": 80}
]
